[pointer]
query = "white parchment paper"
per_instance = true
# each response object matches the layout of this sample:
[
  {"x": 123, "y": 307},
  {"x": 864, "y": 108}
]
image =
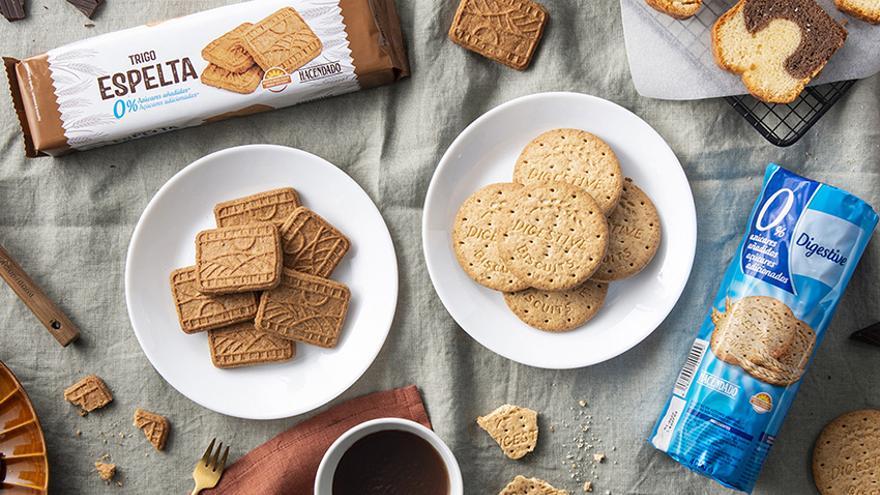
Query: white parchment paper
[{"x": 672, "y": 59}]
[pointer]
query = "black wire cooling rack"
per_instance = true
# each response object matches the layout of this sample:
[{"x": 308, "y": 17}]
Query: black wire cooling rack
[{"x": 781, "y": 125}]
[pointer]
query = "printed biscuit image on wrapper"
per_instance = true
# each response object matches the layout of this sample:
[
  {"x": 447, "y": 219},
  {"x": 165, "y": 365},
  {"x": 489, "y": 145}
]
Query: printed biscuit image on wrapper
[
  {"x": 803, "y": 242},
  {"x": 230, "y": 61}
]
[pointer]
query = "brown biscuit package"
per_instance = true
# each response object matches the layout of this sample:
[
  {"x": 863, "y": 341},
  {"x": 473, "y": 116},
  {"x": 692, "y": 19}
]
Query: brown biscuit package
[{"x": 221, "y": 63}]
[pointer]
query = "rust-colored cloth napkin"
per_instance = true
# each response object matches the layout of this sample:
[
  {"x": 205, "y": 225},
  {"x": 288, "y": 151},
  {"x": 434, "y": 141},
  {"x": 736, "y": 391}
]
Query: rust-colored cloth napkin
[{"x": 288, "y": 463}]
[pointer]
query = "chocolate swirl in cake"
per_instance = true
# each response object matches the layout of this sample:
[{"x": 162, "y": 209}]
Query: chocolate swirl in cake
[{"x": 821, "y": 36}]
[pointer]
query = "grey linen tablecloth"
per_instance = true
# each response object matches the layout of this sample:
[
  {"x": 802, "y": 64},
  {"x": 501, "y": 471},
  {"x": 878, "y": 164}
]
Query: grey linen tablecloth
[{"x": 68, "y": 221}]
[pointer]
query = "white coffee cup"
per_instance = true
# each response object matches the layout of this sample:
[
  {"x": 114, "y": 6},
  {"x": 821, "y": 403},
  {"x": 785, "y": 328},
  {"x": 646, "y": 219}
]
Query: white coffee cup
[{"x": 324, "y": 480}]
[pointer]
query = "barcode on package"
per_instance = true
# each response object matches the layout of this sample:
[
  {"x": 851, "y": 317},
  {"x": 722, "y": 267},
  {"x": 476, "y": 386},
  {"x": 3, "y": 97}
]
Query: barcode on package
[{"x": 686, "y": 375}]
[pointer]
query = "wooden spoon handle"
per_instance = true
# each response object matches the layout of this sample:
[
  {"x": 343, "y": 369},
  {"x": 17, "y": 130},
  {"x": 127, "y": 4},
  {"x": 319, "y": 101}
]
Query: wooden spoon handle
[{"x": 58, "y": 324}]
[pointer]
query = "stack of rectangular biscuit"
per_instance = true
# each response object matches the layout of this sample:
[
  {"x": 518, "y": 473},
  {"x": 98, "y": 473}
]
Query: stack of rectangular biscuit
[
  {"x": 238, "y": 60},
  {"x": 260, "y": 281}
]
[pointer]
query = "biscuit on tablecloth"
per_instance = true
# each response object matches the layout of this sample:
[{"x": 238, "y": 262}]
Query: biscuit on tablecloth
[
  {"x": 154, "y": 426},
  {"x": 506, "y": 31},
  {"x": 514, "y": 428},
  {"x": 90, "y": 393},
  {"x": 846, "y": 456},
  {"x": 530, "y": 486}
]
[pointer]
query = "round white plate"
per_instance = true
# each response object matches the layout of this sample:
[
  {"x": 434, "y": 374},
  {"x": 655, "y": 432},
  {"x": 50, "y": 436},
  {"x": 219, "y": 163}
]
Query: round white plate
[
  {"x": 484, "y": 153},
  {"x": 163, "y": 240}
]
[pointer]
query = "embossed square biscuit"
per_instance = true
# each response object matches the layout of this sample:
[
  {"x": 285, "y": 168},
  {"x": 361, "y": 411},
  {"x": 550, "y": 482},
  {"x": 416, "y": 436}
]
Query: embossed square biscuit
[
  {"x": 198, "y": 312},
  {"x": 311, "y": 244},
  {"x": 273, "y": 206},
  {"x": 244, "y": 345},
  {"x": 228, "y": 51},
  {"x": 245, "y": 83},
  {"x": 305, "y": 308},
  {"x": 506, "y": 31},
  {"x": 90, "y": 393},
  {"x": 283, "y": 40},
  {"x": 238, "y": 259}
]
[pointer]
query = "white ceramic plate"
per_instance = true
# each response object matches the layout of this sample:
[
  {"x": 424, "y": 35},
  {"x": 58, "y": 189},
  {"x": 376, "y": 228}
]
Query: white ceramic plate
[
  {"x": 484, "y": 153},
  {"x": 163, "y": 240}
]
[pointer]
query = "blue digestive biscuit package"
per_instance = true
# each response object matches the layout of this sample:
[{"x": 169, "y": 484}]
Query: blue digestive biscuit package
[{"x": 780, "y": 291}]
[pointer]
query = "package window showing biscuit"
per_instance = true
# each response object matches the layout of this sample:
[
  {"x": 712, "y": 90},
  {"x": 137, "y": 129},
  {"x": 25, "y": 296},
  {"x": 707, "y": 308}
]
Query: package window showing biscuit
[
  {"x": 231, "y": 61},
  {"x": 781, "y": 289}
]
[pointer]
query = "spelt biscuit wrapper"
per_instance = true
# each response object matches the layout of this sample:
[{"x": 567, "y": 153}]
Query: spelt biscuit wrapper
[
  {"x": 209, "y": 66},
  {"x": 802, "y": 244}
]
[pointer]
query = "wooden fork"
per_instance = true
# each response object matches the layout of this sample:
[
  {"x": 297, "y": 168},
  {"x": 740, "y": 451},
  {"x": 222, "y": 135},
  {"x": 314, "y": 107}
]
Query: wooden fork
[{"x": 208, "y": 470}]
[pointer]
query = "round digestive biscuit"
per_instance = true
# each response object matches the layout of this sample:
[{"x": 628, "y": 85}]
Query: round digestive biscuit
[
  {"x": 474, "y": 237},
  {"x": 576, "y": 157},
  {"x": 846, "y": 457},
  {"x": 558, "y": 311},
  {"x": 634, "y": 230},
  {"x": 553, "y": 235}
]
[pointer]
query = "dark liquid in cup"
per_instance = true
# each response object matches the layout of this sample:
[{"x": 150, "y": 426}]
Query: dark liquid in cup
[{"x": 391, "y": 462}]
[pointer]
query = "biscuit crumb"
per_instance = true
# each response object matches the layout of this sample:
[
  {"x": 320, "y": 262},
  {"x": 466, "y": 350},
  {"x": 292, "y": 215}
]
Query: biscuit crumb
[
  {"x": 588, "y": 486},
  {"x": 599, "y": 457},
  {"x": 582, "y": 403},
  {"x": 105, "y": 470}
]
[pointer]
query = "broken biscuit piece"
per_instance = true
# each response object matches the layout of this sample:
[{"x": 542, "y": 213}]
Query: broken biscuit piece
[
  {"x": 514, "y": 428},
  {"x": 530, "y": 486},
  {"x": 154, "y": 426},
  {"x": 90, "y": 393}
]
